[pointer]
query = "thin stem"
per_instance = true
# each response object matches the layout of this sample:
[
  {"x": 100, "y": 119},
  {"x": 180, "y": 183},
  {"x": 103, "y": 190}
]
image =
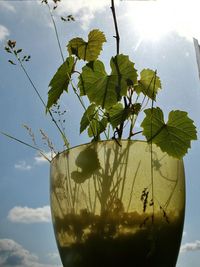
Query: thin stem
[
  {"x": 151, "y": 145},
  {"x": 149, "y": 88},
  {"x": 131, "y": 127},
  {"x": 125, "y": 172},
  {"x": 133, "y": 184},
  {"x": 82, "y": 104},
  {"x": 74, "y": 88},
  {"x": 31, "y": 82},
  {"x": 133, "y": 134},
  {"x": 116, "y": 27},
  {"x": 59, "y": 45},
  {"x": 153, "y": 79},
  {"x": 152, "y": 180},
  {"x": 159, "y": 130},
  {"x": 26, "y": 144},
  {"x": 106, "y": 136},
  {"x": 42, "y": 101},
  {"x": 133, "y": 119},
  {"x": 56, "y": 32},
  {"x": 119, "y": 131},
  {"x": 117, "y": 37}
]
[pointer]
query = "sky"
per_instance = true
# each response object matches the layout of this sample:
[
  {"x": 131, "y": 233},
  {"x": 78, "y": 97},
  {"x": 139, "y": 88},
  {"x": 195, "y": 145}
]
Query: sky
[{"x": 155, "y": 34}]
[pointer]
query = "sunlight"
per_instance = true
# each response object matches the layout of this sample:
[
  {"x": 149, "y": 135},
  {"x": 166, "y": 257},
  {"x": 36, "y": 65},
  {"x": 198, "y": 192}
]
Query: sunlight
[
  {"x": 149, "y": 21},
  {"x": 154, "y": 19}
]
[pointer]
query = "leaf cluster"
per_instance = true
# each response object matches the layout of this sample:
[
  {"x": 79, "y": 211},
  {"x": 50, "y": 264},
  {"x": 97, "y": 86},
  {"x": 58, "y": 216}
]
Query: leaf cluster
[
  {"x": 68, "y": 18},
  {"x": 117, "y": 98},
  {"x": 11, "y": 49},
  {"x": 54, "y": 1}
]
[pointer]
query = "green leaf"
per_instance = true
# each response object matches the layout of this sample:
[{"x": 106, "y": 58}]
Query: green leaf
[
  {"x": 7, "y": 49},
  {"x": 97, "y": 85},
  {"x": 106, "y": 90},
  {"x": 62, "y": 18},
  {"x": 19, "y": 51},
  {"x": 11, "y": 62},
  {"x": 97, "y": 127},
  {"x": 60, "y": 81},
  {"x": 173, "y": 137},
  {"x": 118, "y": 114},
  {"x": 91, "y": 120},
  {"x": 149, "y": 83},
  {"x": 87, "y": 117},
  {"x": 90, "y": 50},
  {"x": 124, "y": 72}
]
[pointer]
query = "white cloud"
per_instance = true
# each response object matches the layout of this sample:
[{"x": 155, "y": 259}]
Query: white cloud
[
  {"x": 4, "y": 32},
  {"x": 83, "y": 10},
  {"x": 195, "y": 246},
  {"x": 7, "y": 6},
  {"x": 39, "y": 159},
  {"x": 13, "y": 254},
  {"x": 23, "y": 166},
  {"x": 30, "y": 215},
  {"x": 53, "y": 256}
]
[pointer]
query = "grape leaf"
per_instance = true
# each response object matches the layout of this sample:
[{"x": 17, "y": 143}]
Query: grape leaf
[
  {"x": 87, "y": 117},
  {"x": 173, "y": 137},
  {"x": 118, "y": 114},
  {"x": 97, "y": 126},
  {"x": 90, "y": 50},
  {"x": 91, "y": 120},
  {"x": 99, "y": 87},
  {"x": 60, "y": 81},
  {"x": 106, "y": 90},
  {"x": 124, "y": 72},
  {"x": 149, "y": 83}
]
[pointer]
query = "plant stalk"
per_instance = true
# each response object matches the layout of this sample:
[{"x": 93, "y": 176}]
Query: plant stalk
[
  {"x": 61, "y": 53},
  {"x": 42, "y": 101},
  {"x": 116, "y": 26},
  {"x": 117, "y": 37},
  {"x": 56, "y": 32},
  {"x": 26, "y": 144},
  {"x": 151, "y": 145}
]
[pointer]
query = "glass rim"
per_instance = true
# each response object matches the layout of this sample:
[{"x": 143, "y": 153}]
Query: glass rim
[{"x": 108, "y": 141}]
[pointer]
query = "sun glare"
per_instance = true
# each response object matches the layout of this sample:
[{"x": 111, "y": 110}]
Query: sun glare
[
  {"x": 154, "y": 19},
  {"x": 149, "y": 21}
]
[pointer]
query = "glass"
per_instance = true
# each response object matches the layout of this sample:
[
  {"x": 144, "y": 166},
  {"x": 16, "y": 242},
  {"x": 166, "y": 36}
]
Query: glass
[{"x": 117, "y": 205}]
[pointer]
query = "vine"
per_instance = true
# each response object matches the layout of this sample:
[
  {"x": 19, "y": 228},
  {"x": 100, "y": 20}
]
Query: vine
[{"x": 115, "y": 99}]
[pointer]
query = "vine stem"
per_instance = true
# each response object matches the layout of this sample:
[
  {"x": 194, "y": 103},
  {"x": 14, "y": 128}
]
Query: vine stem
[
  {"x": 117, "y": 37},
  {"x": 116, "y": 27}
]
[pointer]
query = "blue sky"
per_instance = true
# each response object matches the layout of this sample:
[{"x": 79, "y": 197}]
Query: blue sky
[{"x": 156, "y": 35}]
